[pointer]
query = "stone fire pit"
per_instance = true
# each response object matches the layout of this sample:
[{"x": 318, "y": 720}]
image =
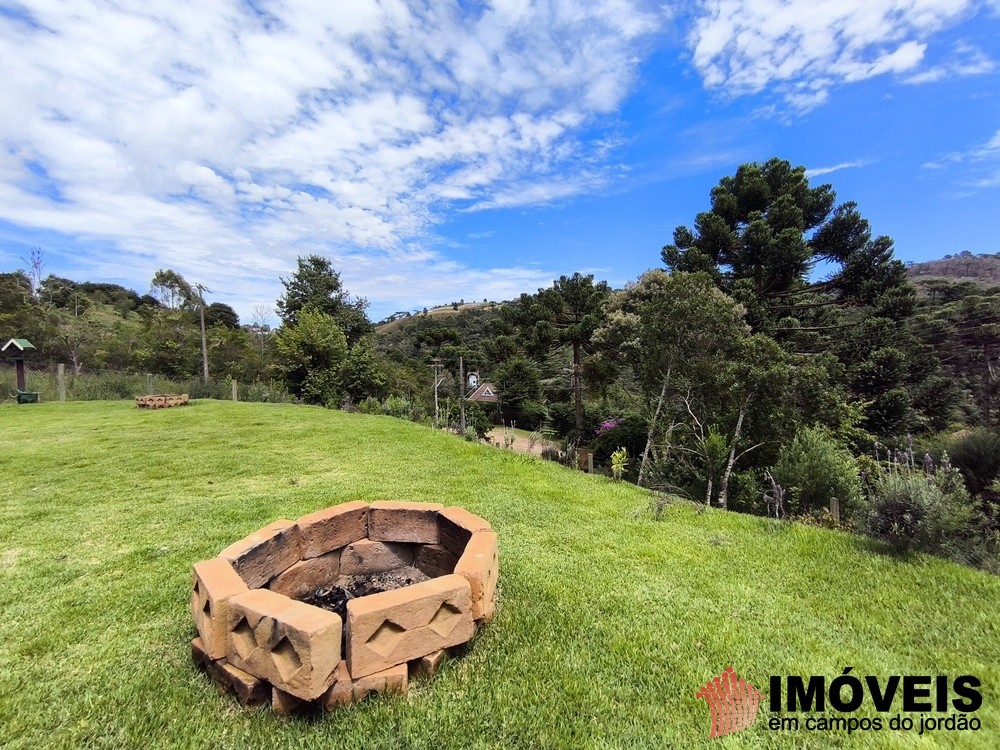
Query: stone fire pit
[
  {"x": 286, "y": 615},
  {"x": 161, "y": 401}
]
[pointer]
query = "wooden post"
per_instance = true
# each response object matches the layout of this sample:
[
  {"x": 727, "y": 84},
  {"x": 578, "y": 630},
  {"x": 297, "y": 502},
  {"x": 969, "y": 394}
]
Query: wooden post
[
  {"x": 19, "y": 368},
  {"x": 835, "y": 509},
  {"x": 149, "y": 384},
  {"x": 235, "y": 391},
  {"x": 204, "y": 344},
  {"x": 61, "y": 379}
]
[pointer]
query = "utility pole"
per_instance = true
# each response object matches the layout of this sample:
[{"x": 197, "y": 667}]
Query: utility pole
[
  {"x": 461, "y": 392},
  {"x": 204, "y": 345},
  {"x": 436, "y": 364}
]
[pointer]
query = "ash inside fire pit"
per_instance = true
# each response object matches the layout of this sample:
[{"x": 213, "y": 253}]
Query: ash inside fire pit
[{"x": 334, "y": 598}]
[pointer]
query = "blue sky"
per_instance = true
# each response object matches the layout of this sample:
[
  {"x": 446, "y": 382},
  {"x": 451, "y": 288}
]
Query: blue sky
[{"x": 441, "y": 150}]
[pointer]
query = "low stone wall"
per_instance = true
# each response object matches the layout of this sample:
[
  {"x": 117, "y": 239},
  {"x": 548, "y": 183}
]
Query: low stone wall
[{"x": 257, "y": 641}]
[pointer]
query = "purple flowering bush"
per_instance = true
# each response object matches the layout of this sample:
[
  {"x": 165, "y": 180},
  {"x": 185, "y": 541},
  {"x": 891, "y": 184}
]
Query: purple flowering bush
[{"x": 607, "y": 425}]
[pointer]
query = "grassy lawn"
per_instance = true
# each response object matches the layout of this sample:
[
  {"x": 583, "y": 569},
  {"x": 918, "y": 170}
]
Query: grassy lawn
[{"x": 609, "y": 621}]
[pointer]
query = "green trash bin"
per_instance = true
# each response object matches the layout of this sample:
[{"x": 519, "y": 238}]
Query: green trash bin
[{"x": 27, "y": 397}]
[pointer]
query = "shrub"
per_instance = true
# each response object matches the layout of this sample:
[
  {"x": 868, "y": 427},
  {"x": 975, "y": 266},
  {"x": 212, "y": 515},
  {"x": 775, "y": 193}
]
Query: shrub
[
  {"x": 928, "y": 512},
  {"x": 551, "y": 454},
  {"x": 397, "y": 406},
  {"x": 478, "y": 419},
  {"x": 531, "y": 414},
  {"x": 627, "y": 432},
  {"x": 264, "y": 392},
  {"x": 977, "y": 455},
  {"x": 417, "y": 412},
  {"x": 814, "y": 468},
  {"x": 619, "y": 462},
  {"x": 370, "y": 405}
]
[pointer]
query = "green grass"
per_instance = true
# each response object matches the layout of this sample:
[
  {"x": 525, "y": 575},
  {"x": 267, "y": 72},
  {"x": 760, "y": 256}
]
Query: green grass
[{"x": 609, "y": 621}]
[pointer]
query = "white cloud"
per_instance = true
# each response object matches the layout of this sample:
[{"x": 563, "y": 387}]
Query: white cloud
[
  {"x": 223, "y": 141},
  {"x": 980, "y": 165},
  {"x": 803, "y": 48},
  {"x": 819, "y": 171},
  {"x": 965, "y": 60},
  {"x": 987, "y": 151}
]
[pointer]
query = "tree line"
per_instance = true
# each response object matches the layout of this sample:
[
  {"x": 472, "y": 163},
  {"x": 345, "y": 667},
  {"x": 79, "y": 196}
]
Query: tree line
[{"x": 778, "y": 358}]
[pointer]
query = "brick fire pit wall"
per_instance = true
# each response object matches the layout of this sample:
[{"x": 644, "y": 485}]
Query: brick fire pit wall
[{"x": 256, "y": 640}]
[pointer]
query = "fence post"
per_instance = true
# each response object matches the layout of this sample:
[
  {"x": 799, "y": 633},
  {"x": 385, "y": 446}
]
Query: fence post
[
  {"x": 149, "y": 384},
  {"x": 235, "y": 391},
  {"x": 61, "y": 379},
  {"x": 835, "y": 509}
]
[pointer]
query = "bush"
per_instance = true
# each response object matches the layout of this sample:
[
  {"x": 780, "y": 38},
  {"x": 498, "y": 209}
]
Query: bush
[
  {"x": 370, "y": 405},
  {"x": 309, "y": 355},
  {"x": 930, "y": 510},
  {"x": 551, "y": 454},
  {"x": 977, "y": 455},
  {"x": 562, "y": 418},
  {"x": 478, "y": 419},
  {"x": 916, "y": 510},
  {"x": 397, "y": 406},
  {"x": 814, "y": 468},
  {"x": 627, "y": 432},
  {"x": 531, "y": 415},
  {"x": 264, "y": 392}
]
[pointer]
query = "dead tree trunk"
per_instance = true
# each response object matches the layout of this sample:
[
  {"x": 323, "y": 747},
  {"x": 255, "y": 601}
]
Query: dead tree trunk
[
  {"x": 652, "y": 428},
  {"x": 724, "y": 485}
]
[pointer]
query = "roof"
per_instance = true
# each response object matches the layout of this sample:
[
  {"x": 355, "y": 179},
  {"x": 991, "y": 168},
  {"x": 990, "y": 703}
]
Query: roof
[
  {"x": 485, "y": 392},
  {"x": 22, "y": 345}
]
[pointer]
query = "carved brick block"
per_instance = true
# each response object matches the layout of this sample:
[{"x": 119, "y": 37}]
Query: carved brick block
[
  {"x": 435, "y": 559},
  {"x": 479, "y": 565},
  {"x": 456, "y": 526},
  {"x": 294, "y": 646},
  {"x": 427, "y": 666},
  {"x": 285, "y": 704},
  {"x": 366, "y": 556},
  {"x": 264, "y": 554},
  {"x": 249, "y": 690},
  {"x": 328, "y": 529},
  {"x": 393, "y": 627},
  {"x": 346, "y": 690},
  {"x": 215, "y": 582},
  {"x": 393, "y": 521},
  {"x": 306, "y": 576}
]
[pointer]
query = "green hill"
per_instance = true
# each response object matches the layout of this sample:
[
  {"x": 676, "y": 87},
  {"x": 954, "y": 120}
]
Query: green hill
[{"x": 609, "y": 621}]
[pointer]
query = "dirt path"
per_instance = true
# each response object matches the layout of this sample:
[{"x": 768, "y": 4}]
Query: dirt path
[{"x": 521, "y": 444}]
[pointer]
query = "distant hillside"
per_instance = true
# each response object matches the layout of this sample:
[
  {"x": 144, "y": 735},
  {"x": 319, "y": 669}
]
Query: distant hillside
[
  {"x": 396, "y": 320},
  {"x": 983, "y": 270}
]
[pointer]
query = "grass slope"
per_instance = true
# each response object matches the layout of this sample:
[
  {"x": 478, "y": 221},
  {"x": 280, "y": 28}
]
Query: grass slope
[{"x": 609, "y": 621}]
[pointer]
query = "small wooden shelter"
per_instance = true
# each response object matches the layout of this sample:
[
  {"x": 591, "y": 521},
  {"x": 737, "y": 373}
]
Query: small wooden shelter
[{"x": 16, "y": 349}]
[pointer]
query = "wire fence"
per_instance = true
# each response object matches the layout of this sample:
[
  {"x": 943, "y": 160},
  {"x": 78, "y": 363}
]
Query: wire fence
[{"x": 53, "y": 383}]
